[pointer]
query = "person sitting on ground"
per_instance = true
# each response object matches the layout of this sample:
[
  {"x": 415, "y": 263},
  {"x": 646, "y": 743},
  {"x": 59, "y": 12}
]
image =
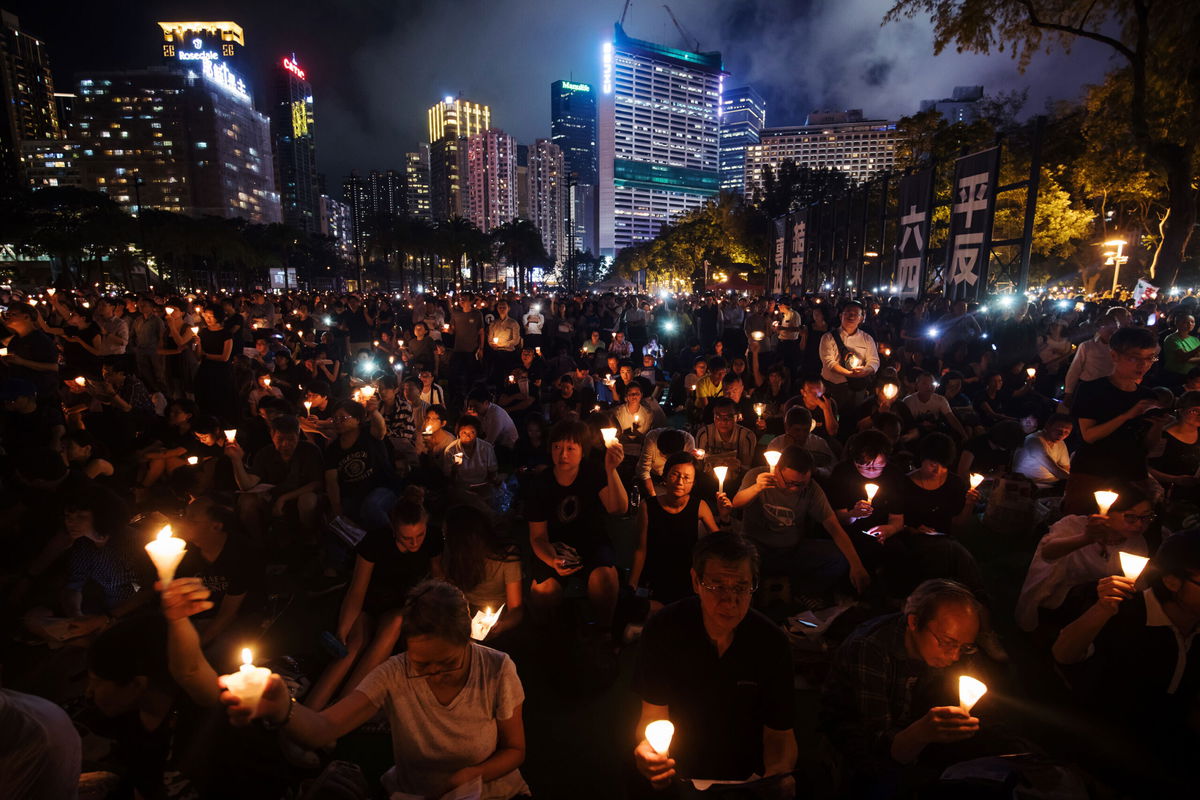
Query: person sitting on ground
[
  {"x": 287, "y": 474},
  {"x": 725, "y": 442},
  {"x": 486, "y": 568},
  {"x": 358, "y": 471},
  {"x": 931, "y": 411},
  {"x": 454, "y": 706},
  {"x": 1178, "y": 466},
  {"x": 81, "y": 452},
  {"x": 659, "y": 445},
  {"x": 697, "y": 659},
  {"x": 496, "y": 426},
  {"x": 797, "y": 432},
  {"x": 469, "y": 460}
]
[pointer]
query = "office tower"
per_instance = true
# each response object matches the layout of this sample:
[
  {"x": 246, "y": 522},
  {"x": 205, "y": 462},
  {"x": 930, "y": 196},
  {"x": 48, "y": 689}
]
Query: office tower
[
  {"x": 842, "y": 140},
  {"x": 523, "y": 181},
  {"x": 659, "y": 137},
  {"x": 460, "y": 117},
  {"x": 573, "y": 129},
  {"x": 386, "y": 192},
  {"x": 50, "y": 162},
  {"x": 27, "y": 98},
  {"x": 743, "y": 115},
  {"x": 961, "y": 106},
  {"x": 450, "y": 123},
  {"x": 179, "y": 140},
  {"x": 416, "y": 184},
  {"x": 548, "y": 197},
  {"x": 491, "y": 179},
  {"x": 336, "y": 222},
  {"x": 293, "y": 133},
  {"x": 357, "y": 197}
]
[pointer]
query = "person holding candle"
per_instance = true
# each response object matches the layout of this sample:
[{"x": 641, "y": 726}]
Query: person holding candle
[
  {"x": 470, "y": 461},
  {"x": 659, "y": 445},
  {"x": 849, "y": 357},
  {"x": 937, "y": 500},
  {"x": 484, "y": 566},
  {"x": 822, "y": 407},
  {"x": 435, "y": 437},
  {"x": 31, "y": 354},
  {"x": 867, "y": 520},
  {"x": 358, "y": 471},
  {"x": 886, "y": 398},
  {"x": 725, "y": 442},
  {"x": 454, "y": 705},
  {"x": 633, "y": 419},
  {"x": 798, "y": 431},
  {"x": 504, "y": 339},
  {"x": 1043, "y": 457},
  {"x": 1078, "y": 550},
  {"x": 292, "y": 467}
]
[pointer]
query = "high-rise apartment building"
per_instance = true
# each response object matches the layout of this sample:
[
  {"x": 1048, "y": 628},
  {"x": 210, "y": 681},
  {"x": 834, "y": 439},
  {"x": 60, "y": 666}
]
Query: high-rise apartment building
[
  {"x": 293, "y": 134},
  {"x": 27, "y": 105},
  {"x": 386, "y": 190},
  {"x": 50, "y": 162},
  {"x": 523, "y": 181},
  {"x": 743, "y": 116},
  {"x": 460, "y": 117},
  {"x": 659, "y": 137},
  {"x": 862, "y": 148},
  {"x": 181, "y": 140},
  {"x": 548, "y": 197},
  {"x": 574, "y": 129},
  {"x": 491, "y": 179},
  {"x": 416, "y": 184},
  {"x": 337, "y": 223},
  {"x": 450, "y": 123},
  {"x": 357, "y": 198},
  {"x": 961, "y": 106}
]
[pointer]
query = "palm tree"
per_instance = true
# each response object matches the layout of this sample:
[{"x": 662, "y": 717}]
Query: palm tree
[{"x": 519, "y": 243}]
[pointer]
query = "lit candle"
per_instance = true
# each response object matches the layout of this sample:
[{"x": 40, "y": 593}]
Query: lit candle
[
  {"x": 458, "y": 459},
  {"x": 760, "y": 409},
  {"x": 512, "y": 379},
  {"x": 231, "y": 435},
  {"x": 1132, "y": 565},
  {"x": 483, "y": 622},
  {"x": 871, "y": 488},
  {"x": 699, "y": 453},
  {"x": 1031, "y": 371},
  {"x": 51, "y": 291},
  {"x": 720, "y": 472},
  {"x": 267, "y": 382},
  {"x": 495, "y": 340},
  {"x": 3, "y": 351},
  {"x": 249, "y": 682},
  {"x": 853, "y": 361},
  {"x": 166, "y": 552},
  {"x": 376, "y": 343},
  {"x": 609, "y": 434},
  {"x": 308, "y": 408},
  {"x": 757, "y": 336},
  {"x": 890, "y": 390},
  {"x": 772, "y": 457},
  {"x": 659, "y": 734},
  {"x": 195, "y": 330},
  {"x": 887, "y": 352},
  {"x": 969, "y": 692},
  {"x": 636, "y": 417},
  {"x": 428, "y": 430},
  {"x": 976, "y": 479},
  {"x": 170, "y": 310},
  {"x": 81, "y": 381},
  {"x": 367, "y": 392},
  {"x": 1105, "y": 500},
  {"x": 193, "y": 460}
]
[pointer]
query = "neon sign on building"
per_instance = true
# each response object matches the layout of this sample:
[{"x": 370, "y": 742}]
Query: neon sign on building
[
  {"x": 294, "y": 68},
  {"x": 606, "y": 76},
  {"x": 222, "y": 76}
]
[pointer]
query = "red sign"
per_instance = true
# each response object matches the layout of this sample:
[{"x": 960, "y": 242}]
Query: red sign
[{"x": 294, "y": 68}]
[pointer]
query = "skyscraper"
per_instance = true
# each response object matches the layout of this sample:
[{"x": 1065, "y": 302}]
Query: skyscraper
[
  {"x": 336, "y": 222},
  {"x": 293, "y": 132},
  {"x": 416, "y": 184},
  {"x": 462, "y": 117},
  {"x": 743, "y": 115},
  {"x": 357, "y": 197},
  {"x": 547, "y": 197},
  {"x": 450, "y": 122},
  {"x": 491, "y": 179},
  {"x": 27, "y": 97},
  {"x": 659, "y": 137},
  {"x": 573, "y": 129},
  {"x": 386, "y": 190}
]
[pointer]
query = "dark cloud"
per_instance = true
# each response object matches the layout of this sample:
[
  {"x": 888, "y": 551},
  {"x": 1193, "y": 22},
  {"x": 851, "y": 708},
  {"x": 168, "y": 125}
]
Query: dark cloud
[{"x": 377, "y": 66}]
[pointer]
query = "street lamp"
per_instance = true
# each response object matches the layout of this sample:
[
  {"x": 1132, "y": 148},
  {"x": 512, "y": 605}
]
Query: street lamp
[{"x": 1117, "y": 260}]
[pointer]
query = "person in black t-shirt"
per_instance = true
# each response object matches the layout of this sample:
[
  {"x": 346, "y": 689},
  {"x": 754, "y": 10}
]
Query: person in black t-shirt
[
  {"x": 358, "y": 470},
  {"x": 722, "y": 673},
  {"x": 31, "y": 354}
]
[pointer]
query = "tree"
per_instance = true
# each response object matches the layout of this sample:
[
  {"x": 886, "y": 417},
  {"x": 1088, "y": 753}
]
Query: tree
[
  {"x": 519, "y": 243},
  {"x": 1161, "y": 69}
]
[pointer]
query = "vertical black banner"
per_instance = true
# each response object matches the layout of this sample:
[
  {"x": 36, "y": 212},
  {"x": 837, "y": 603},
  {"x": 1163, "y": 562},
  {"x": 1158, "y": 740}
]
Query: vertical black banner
[
  {"x": 915, "y": 205},
  {"x": 778, "y": 251},
  {"x": 797, "y": 249},
  {"x": 973, "y": 201}
]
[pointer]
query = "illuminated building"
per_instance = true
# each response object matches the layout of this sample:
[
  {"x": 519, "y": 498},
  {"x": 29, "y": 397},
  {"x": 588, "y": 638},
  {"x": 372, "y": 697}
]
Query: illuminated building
[
  {"x": 659, "y": 137},
  {"x": 386, "y": 192},
  {"x": 447, "y": 165},
  {"x": 862, "y": 148},
  {"x": 335, "y": 221},
  {"x": 179, "y": 140},
  {"x": 50, "y": 162},
  {"x": 357, "y": 198},
  {"x": 491, "y": 179},
  {"x": 188, "y": 43},
  {"x": 293, "y": 133},
  {"x": 416, "y": 184},
  {"x": 548, "y": 197},
  {"x": 523, "y": 181},
  {"x": 573, "y": 129},
  {"x": 961, "y": 106},
  {"x": 27, "y": 94},
  {"x": 459, "y": 117},
  {"x": 743, "y": 115}
]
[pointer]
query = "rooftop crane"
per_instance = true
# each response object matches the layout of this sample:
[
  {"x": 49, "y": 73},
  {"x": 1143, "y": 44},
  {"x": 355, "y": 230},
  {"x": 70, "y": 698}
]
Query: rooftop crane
[{"x": 688, "y": 39}]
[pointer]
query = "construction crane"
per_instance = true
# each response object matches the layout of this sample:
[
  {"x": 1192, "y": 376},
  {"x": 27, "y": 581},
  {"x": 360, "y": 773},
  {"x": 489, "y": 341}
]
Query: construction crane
[
  {"x": 688, "y": 39},
  {"x": 624, "y": 11}
]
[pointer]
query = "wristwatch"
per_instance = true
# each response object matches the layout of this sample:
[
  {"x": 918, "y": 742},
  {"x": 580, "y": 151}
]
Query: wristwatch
[{"x": 272, "y": 726}]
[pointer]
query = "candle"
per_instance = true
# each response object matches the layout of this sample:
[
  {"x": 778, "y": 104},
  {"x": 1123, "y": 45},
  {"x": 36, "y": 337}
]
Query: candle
[
  {"x": 495, "y": 340},
  {"x": 193, "y": 460},
  {"x": 1105, "y": 500},
  {"x": 812, "y": 425},
  {"x": 512, "y": 379},
  {"x": 969, "y": 692},
  {"x": 367, "y": 392},
  {"x": 720, "y": 472},
  {"x": 308, "y": 408},
  {"x": 170, "y": 310},
  {"x": 772, "y": 457},
  {"x": 871, "y": 488},
  {"x": 51, "y": 291},
  {"x": 1031, "y": 371},
  {"x": 376, "y": 343},
  {"x": 853, "y": 361},
  {"x": 757, "y": 336},
  {"x": 81, "y": 381},
  {"x": 609, "y": 434},
  {"x": 3, "y": 351},
  {"x": 249, "y": 682},
  {"x": 166, "y": 552},
  {"x": 538, "y": 350},
  {"x": 887, "y": 352},
  {"x": 483, "y": 622},
  {"x": 1132, "y": 565},
  {"x": 266, "y": 382},
  {"x": 458, "y": 459},
  {"x": 976, "y": 479},
  {"x": 356, "y": 396},
  {"x": 659, "y": 734},
  {"x": 760, "y": 409},
  {"x": 231, "y": 435},
  {"x": 636, "y": 417},
  {"x": 195, "y": 330},
  {"x": 699, "y": 453},
  {"x": 890, "y": 390},
  {"x": 428, "y": 430}
]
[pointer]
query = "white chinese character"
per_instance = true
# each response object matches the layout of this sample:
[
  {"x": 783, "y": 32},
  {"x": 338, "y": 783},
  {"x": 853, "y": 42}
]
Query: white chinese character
[
  {"x": 965, "y": 257},
  {"x": 972, "y": 196},
  {"x": 908, "y": 274},
  {"x": 912, "y": 222}
]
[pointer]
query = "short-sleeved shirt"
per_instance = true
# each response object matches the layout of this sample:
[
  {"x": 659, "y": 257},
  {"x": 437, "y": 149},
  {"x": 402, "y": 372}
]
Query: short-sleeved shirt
[
  {"x": 35, "y": 346},
  {"x": 361, "y": 467},
  {"x": 719, "y": 705},
  {"x": 776, "y": 516},
  {"x": 431, "y": 741},
  {"x": 304, "y": 467},
  {"x": 492, "y": 591},
  {"x": 573, "y": 514},
  {"x": 845, "y": 487},
  {"x": 934, "y": 508},
  {"x": 396, "y": 571},
  {"x": 1122, "y": 454},
  {"x": 236, "y": 570},
  {"x": 467, "y": 325},
  {"x": 931, "y": 410}
]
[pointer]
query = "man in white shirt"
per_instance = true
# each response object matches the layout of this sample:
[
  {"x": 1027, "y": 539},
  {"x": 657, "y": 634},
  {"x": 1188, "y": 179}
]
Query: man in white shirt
[
  {"x": 1093, "y": 359},
  {"x": 855, "y": 360},
  {"x": 498, "y": 426},
  {"x": 1043, "y": 458},
  {"x": 928, "y": 408}
]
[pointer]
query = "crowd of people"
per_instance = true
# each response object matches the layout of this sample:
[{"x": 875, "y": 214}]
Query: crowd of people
[{"x": 401, "y": 503}]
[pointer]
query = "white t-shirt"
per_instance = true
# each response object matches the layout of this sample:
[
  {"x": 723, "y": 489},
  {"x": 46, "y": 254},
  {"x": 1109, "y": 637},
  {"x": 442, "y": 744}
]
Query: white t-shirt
[
  {"x": 534, "y": 322},
  {"x": 431, "y": 741},
  {"x": 933, "y": 408}
]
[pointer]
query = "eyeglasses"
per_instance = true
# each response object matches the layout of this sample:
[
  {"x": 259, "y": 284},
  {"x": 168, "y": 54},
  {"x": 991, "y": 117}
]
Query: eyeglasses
[
  {"x": 1139, "y": 519},
  {"x": 1139, "y": 359},
  {"x": 433, "y": 668},
  {"x": 340, "y": 418},
  {"x": 736, "y": 592},
  {"x": 723, "y": 417},
  {"x": 951, "y": 646}
]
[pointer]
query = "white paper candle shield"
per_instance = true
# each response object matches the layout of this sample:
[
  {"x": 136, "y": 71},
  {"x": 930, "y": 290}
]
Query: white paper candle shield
[
  {"x": 969, "y": 692},
  {"x": 1132, "y": 565},
  {"x": 659, "y": 734},
  {"x": 166, "y": 552},
  {"x": 871, "y": 488},
  {"x": 772, "y": 457},
  {"x": 609, "y": 434},
  {"x": 249, "y": 682},
  {"x": 483, "y": 622},
  {"x": 1105, "y": 500},
  {"x": 231, "y": 435},
  {"x": 720, "y": 472},
  {"x": 1030, "y": 371},
  {"x": 367, "y": 392},
  {"x": 890, "y": 390},
  {"x": 976, "y": 479}
]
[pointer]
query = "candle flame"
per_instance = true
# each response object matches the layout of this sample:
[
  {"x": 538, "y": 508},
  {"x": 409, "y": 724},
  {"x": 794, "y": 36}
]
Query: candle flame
[
  {"x": 164, "y": 532},
  {"x": 247, "y": 657},
  {"x": 1105, "y": 500},
  {"x": 976, "y": 479},
  {"x": 659, "y": 734}
]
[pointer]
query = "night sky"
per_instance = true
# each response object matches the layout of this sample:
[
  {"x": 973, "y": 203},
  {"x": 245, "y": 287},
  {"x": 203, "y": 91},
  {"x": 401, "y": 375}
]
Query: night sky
[{"x": 377, "y": 65}]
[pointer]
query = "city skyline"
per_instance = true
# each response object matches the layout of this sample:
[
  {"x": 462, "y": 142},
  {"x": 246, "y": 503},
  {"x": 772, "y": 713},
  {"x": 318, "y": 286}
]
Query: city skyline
[{"x": 369, "y": 121}]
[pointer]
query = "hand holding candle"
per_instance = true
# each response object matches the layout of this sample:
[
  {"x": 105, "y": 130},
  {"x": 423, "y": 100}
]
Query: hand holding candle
[
  {"x": 871, "y": 489},
  {"x": 1105, "y": 500},
  {"x": 721, "y": 472},
  {"x": 166, "y": 552},
  {"x": 248, "y": 683},
  {"x": 659, "y": 734},
  {"x": 976, "y": 479},
  {"x": 231, "y": 435},
  {"x": 772, "y": 457},
  {"x": 609, "y": 434},
  {"x": 483, "y": 622}
]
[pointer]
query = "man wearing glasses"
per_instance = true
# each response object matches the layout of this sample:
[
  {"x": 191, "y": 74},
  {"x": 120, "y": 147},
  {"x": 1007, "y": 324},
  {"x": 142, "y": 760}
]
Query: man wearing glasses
[
  {"x": 890, "y": 693},
  {"x": 722, "y": 673}
]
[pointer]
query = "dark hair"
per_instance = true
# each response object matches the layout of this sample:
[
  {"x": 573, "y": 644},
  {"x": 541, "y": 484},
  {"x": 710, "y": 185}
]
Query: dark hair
[
  {"x": 798, "y": 415},
  {"x": 318, "y": 387},
  {"x": 480, "y": 394},
  {"x": 671, "y": 441},
  {"x": 1188, "y": 400},
  {"x": 471, "y": 540},
  {"x": 677, "y": 459},
  {"x": 937, "y": 447},
  {"x": 572, "y": 431},
  {"x": 353, "y": 409},
  {"x": 1178, "y": 556},
  {"x": 469, "y": 421},
  {"x": 1128, "y": 496},
  {"x": 1058, "y": 417},
  {"x": 728, "y": 547},
  {"x": 287, "y": 424},
  {"x": 716, "y": 362},
  {"x": 852, "y": 304},
  {"x": 1127, "y": 339},
  {"x": 930, "y": 596},
  {"x": 436, "y": 608},
  {"x": 409, "y": 509},
  {"x": 440, "y": 410},
  {"x": 868, "y": 445},
  {"x": 722, "y": 403},
  {"x": 796, "y": 458}
]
